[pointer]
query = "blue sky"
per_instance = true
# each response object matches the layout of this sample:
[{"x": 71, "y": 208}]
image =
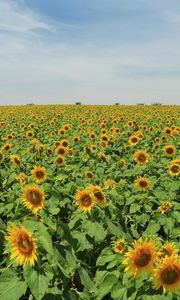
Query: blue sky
[{"x": 94, "y": 51}]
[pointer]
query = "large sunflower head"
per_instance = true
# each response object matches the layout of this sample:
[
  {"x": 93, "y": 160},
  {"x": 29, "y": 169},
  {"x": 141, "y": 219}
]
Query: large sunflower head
[
  {"x": 33, "y": 198},
  {"x": 170, "y": 150},
  {"x": 23, "y": 245},
  {"x": 141, "y": 257},
  {"x": 174, "y": 169},
  {"x": 142, "y": 183},
  {"x": 85, "y": 200},
  {"x": 99, "y": 195},
  {"x": 39, "y": 174},
  {"x": 141, "y": 157},
  {"x": 168, "y": 274}
]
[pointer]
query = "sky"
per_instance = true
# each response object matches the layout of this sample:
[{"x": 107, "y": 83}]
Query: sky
[{"x": 89, "y": 51}]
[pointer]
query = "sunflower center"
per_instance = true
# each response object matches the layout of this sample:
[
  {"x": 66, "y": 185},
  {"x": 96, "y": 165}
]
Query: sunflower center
[
  {"x": 25, "y": 245},
  {"x": 59, "y": 160},
  {"x": 169, "y": 150},
  {"x": 35, "y": 197},
  {"x": 120, "y": 246},
  {"x": 39, "y": 174},
  {"x": 142, "y": 259},
  {"x": 99, "y": 195},
  {"x": 143, "y": 183},
  {"x": 175, "y": 169},
  {"x": 170, "y": 275},
  {"x": 134, "y": 140},
  {"x": 86, "y": 200},
  {"x": 142, "y": 158}
]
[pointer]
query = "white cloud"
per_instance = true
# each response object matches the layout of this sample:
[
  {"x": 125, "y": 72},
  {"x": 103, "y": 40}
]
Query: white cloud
[{"x": 35, "y": 65}]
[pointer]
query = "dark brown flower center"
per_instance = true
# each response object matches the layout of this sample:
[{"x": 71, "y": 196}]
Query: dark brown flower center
[
  {"x": 59, "y": 160},
  {"x": 169, "y": 150},
  {"x": 40, "y": 174},
  {"x": 134, "y": 140},
  {"x": 175, "y": 169},
  {"x": 120, "y": 246},
  {"x": 25, "y": 245},
  {"x": 86, "y": 200},
  {"x": 35, "y": 198},
  {"x": 142, "y": 158},
  {"x": 143, "y": 183},
  {"x": 170, "y": 275},
  {"x": 142, "y": 258},
  {"x": 99, "y": 196}
]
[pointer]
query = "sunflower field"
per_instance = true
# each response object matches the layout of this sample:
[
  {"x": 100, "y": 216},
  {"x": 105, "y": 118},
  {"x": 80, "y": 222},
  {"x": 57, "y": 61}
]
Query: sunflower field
[{"x": 89, "y": 202}]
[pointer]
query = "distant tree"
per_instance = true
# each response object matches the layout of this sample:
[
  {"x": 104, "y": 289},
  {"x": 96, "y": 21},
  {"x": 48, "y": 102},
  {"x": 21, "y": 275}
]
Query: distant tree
[
  {"x": 30, "y": 103},
  {"x": 156, "y": 104},
  {"x": 78, "y": 103},
  {"x": 117, "y": 103},
  {"x": 140, "y": 103}
]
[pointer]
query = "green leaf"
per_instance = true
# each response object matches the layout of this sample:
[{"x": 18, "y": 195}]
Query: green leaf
[
  {"x": 37, "y": 282},
  {"x": 95, "y": 230},
  {"x": 84, "y": 277},
  {"x": 134, "y": 208},
  {"x": 152, "y": 228},
  {"x": 106, "y": 286},
  {"x": 106, "y": 255},
  {"x": 11, "y": 288},
  {"x": 118, "y": 291},
  {"x": 116, "y": 230}
]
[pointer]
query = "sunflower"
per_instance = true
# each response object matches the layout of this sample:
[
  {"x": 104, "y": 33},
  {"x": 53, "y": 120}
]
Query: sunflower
[
  {"x": 170, "y": 150},
  {"x": 168, "y": 274},
  {"x": 119, "y": 246},
  {"x": 39, "y": 174},
  {"x": 61, "y": 150},
  {"x": 169, "y": 249},
  {"x": 122, "y": 163},
  {"x": 98, "y": 194},
  {"x": 165, "y": 207},
  {"x": 23, "y": 245},
  {"x": 60, "y": 160},
  {"x": 7, "y": 147},
  {"x": 176, "y": 161},
  {"x": 88, "y": 174},
  {"x": 133, "y": 140},
  {"x": 110, "y": 183},
  {"x": 174, "y": 169},
  {"x": 33, "y": 198},
  {"x": 142, "y": 183},
  {"x": 22, "y": 178},
  {"x": 64, "y": 143},
  {"x": 16, "y": 160},
  {"x": 102, "y": 156},
  {"x": 85, "y": 200},
  {"x": 141, "y": 257},
  {"x": 29, "y": 133},
  {"x": 76, "y": 139},
  {"x": 141, "y": 157},
  {"x": 167, "y": 131}
]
